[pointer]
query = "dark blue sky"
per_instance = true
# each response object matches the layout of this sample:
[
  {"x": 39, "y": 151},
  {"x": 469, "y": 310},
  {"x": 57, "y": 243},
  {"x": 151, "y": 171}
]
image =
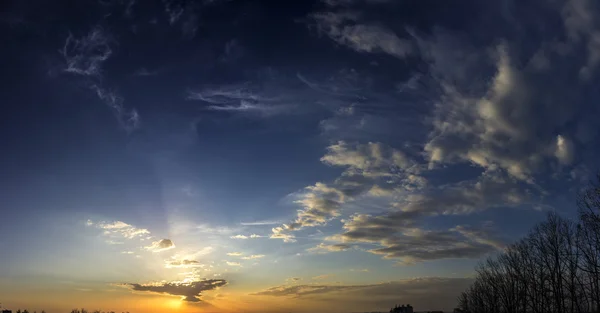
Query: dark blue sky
[{"x": 261, "y": 141}]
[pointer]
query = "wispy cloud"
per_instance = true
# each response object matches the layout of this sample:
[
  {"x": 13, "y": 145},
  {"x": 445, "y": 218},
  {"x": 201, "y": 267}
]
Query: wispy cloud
[
  {"x": 183, "y": 263},
  {"x": 252, "y": 236},
  {"x": 364, "y": 270},
  {"x": 128, "y": 119},
  {"x": 142, "y": 72},
  {"x": 260, "y": 223},
  {"x": 241, "y": 98},
  {"x": 119, "y": 229},
  {"x": 236, "y": 264},
  {"x": 324, "y": 248},
  {"x": 323, "y": 277},
  {"x": 84, "y": 56},
  {"x": 253, "y": 257},
  {"x": 345, "y": 29},
  {"x": 113, "y": 242}
]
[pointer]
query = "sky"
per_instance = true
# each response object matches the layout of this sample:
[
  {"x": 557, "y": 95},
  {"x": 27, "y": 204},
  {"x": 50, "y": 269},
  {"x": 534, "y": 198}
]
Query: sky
[{"x": 284, "y": 156}]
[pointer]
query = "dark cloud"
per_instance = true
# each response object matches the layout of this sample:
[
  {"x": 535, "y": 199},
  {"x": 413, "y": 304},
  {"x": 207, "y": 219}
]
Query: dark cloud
[
  {"x": 399, "y": 239},
  {"x": 420, "y": 291},
  {"x": 322, "y": 247},
  {"x": 190, "y": 292},
  {"x": 305, "y": 290},
  {"x": 160, "y": 245}
]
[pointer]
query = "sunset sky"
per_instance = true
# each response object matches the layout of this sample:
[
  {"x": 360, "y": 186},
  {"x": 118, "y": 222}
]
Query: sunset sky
[{"x": 283, "y": 156}]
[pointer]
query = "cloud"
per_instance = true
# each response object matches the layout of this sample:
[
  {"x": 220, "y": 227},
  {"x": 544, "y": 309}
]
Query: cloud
[
  {"x": 334, "y": 3},
  {"x": 294, "y": 279},
  {"x": 519, "y": 115},
  {"x": 374, "y": 160},
  {"x": 252, "y": 236},
  {"x": 119, "y": 229},
  {"x": 240, "y": 98},
  {"x": 235, "y": 254},
  {"x": 237, "y": 264},
  {"x": 364, "y": 270},
  {"x": 183, "y": 15},
  {"x": 253, "y": 257},
  {"x": 400, "y": 240},
  {"x": 324, "y": 248},
  {"x": 183, "y": 263},
  {"x": 260, "y": 223},
  {"x": 160, "y": 245},
  {"x": 190, "y": 291},
  {"x": 373, "y": 168},
  {"x": 323, "y": 277},
  {"x": 398, "y": 233},
  {"x": 84, "y": 56},
  {"x": 281, "y": 232},
  {"x": 143, "y": 72},
  {"x": 128, "y": 119},
  {"x": 344, "y": 29},
  {"x": 419, "y": 290},
  {"x": 219, "y": 230}
]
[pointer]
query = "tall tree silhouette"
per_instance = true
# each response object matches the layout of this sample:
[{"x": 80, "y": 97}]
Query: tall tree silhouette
[{"x": 554, "y": 269}]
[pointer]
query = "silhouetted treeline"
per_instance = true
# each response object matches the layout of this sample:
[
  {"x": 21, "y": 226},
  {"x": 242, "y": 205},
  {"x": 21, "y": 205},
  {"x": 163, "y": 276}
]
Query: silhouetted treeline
[
  {"x": 73, "y": 311},
  {"x": 555, "y": 269},
  {"x": 95, "y": 311}
]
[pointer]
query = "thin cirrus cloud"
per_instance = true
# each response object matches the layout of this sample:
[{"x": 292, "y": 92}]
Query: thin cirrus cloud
[
  {"x": 240, "y": 98},
  {"x": 260, "y": 223},
  {"x": 323, "y": 277},
  {"x": 248, "y": 257},
  {"x": 85, "y": 56}
]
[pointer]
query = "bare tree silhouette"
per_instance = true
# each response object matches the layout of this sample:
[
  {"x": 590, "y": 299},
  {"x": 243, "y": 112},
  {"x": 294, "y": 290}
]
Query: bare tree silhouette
[{"x": 554, "y": 269}]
